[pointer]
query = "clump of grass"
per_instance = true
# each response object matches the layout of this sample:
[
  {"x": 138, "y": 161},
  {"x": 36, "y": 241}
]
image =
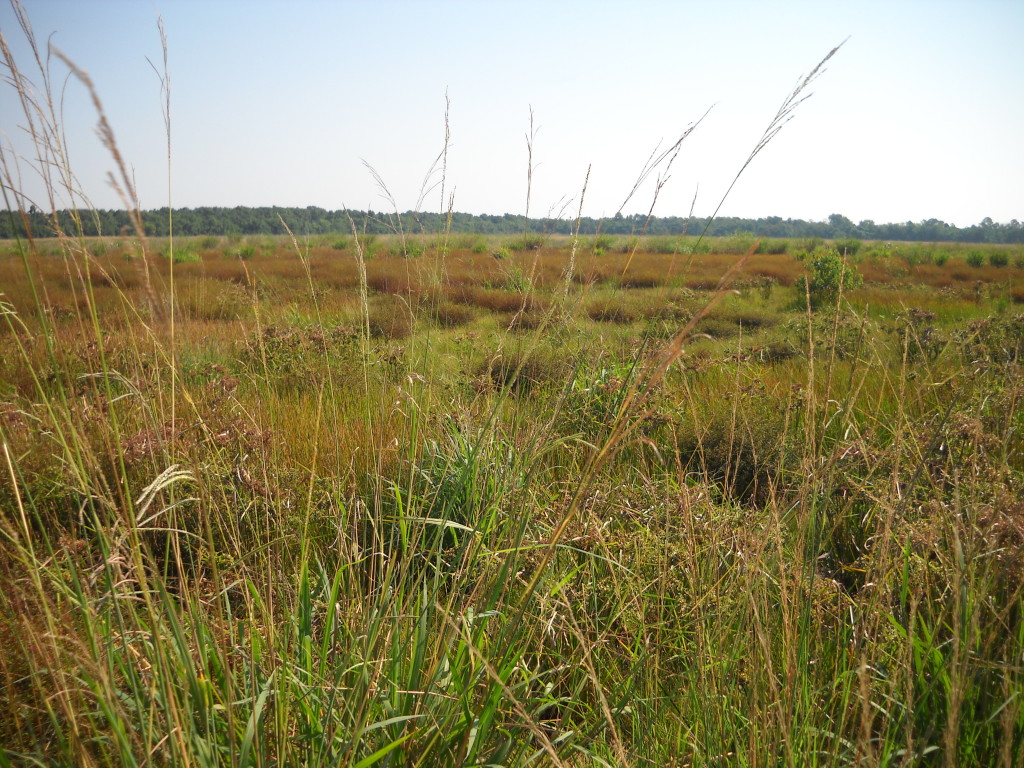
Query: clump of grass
[
  {"x": 501, "y": 300},
  {"x": 391, "y": 317},
  {"x": 449, "y": 314},
  {"x": 612, "y": 309},
  {"x": 523, "y": 371},
  {"x": 739, "y": 445}
]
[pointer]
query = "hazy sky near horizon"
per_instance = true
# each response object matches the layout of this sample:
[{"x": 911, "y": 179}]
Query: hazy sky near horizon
[{"x": 920, "y": 114}]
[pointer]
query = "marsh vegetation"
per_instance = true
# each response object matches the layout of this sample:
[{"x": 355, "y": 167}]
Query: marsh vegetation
[{"x": 446, "y": 499}]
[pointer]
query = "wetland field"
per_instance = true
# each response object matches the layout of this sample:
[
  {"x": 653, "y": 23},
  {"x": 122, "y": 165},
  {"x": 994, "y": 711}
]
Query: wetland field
[{"x": 456, "y": 499}]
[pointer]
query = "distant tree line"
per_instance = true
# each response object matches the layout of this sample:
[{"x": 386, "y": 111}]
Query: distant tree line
[{"x": 312, "y": 220}]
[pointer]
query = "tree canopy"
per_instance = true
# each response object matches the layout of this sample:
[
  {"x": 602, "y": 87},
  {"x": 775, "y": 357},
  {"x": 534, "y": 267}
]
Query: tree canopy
[{"x": 312, "y": 220}]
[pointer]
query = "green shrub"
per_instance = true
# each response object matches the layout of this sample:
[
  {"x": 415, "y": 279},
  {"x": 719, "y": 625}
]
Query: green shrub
[
  {"x": 917, "y": 255},
  {"x": 527, "y": 242},
  {"x": 738, "y": 244},
  {"x": 998, "y": 258},
  {"x": 340, "y": 244},
  {"x": 941, "y": 258},
  {"x": 975, "y": 258},
  {"x": 594, "y": 398},
  {"x": 830, "y": 275},
  {"x": 848, "y": 246},
  {"x": 408, "y": 249},
  {"x": 773, "y": 247},
  {"x": 629, "y": 244},
  {"x": 917, "y": 334},
  {"x": 660, "y": 245}
]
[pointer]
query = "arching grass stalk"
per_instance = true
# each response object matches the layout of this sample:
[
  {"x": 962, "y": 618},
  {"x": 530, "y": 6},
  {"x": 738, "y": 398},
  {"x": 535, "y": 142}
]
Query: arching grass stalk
[{"x": 631, "y": 412}]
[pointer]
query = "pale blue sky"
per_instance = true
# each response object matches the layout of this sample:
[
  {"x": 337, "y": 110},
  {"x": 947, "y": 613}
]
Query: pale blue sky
[{"x": 920, "y": 115}]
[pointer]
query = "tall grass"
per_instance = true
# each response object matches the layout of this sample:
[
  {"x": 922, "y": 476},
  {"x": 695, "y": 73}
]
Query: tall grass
[{"x": 323, "y": 525}]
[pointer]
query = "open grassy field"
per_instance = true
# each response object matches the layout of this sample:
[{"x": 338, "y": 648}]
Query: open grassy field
[{"x": 480, "y": 501}]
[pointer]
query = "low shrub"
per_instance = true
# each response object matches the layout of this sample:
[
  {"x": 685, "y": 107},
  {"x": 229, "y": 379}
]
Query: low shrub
[
  {"x": 848, "y": 246},
  {"x": 736, "y": 245},
  {"x": 629, "y": 245},
  {"x": 526, "y": 242},
  {"x": 773, "y": 247},
  {"x": 917, "y": 255},
  {"x": 661, "y": 245},
  {"x": 918, "y": 335},
  {"x": 514, "y": 279},
  {"x": 998, "y": 258},
  {"x": 829, "y": 276},
  {"x": 407, "y": 248}
]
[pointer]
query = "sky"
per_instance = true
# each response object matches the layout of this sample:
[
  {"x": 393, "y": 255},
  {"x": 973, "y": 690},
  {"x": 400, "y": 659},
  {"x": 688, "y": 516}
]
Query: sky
[{"x": 919, "y": 115}]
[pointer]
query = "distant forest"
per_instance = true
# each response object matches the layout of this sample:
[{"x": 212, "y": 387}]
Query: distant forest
[{"x": 318, "y": 221}]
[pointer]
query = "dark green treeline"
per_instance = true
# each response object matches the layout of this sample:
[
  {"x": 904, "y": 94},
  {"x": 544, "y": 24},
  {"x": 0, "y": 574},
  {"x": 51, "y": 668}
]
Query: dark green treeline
[{"x": 318, "y": 221}]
